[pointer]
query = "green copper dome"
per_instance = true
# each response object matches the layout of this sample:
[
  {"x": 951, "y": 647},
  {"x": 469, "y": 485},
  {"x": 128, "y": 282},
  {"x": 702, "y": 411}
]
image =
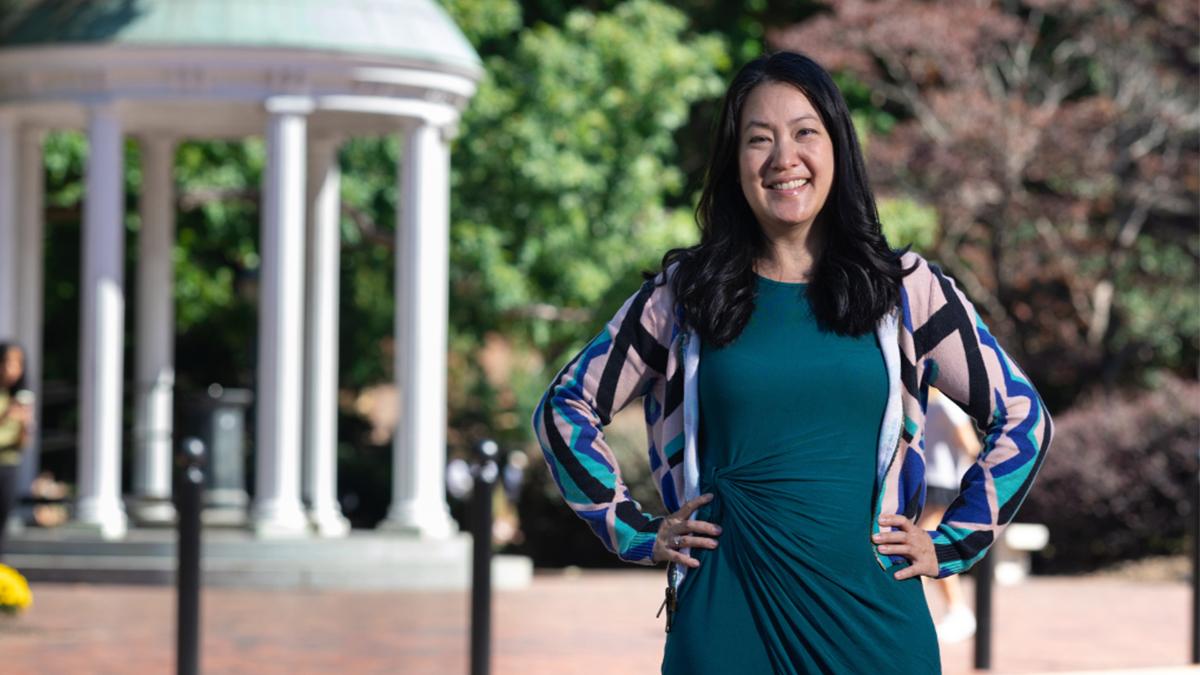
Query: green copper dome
[{"x": 417, "y": 30}]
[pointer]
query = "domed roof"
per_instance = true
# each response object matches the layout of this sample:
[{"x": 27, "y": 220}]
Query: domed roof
[{"x": 417, "y": 30}]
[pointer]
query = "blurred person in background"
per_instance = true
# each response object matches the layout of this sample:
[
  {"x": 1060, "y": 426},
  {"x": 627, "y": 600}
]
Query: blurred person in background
[
  {"x": 45, "y": 487},
  {"x": 784, "y": 362},
  {"x": 16, "y": 423},
  {"x": 950, "y": 447}
]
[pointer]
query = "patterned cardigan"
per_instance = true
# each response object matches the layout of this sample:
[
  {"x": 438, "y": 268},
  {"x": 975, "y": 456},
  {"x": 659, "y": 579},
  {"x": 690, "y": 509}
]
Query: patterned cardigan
[{"x": 935, "y": 337}]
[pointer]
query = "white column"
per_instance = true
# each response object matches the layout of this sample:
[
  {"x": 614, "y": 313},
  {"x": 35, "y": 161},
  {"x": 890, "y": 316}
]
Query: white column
[
  {"x": 277, "y": 509},
  {"x": 321, "y": 339},
  {"x": 103, "y": 311},
  {"x": 422, "y": 279},
  {"x": 155, "y": 319},
  {"x": 9, "y": 241},
  {"x": 31, "y": 264}
]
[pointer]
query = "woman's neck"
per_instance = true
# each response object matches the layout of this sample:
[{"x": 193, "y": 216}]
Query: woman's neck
[{"x": 790, "y": 256}]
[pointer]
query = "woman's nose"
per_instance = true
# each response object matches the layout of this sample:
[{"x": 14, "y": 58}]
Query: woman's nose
[{"x": 786, "y": 154}]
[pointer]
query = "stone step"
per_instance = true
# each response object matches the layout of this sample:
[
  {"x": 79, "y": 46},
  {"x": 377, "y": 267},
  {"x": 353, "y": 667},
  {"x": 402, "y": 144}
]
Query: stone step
[
  {"x": 366, "y": 560},
  {"x": 227, "y": 546}
]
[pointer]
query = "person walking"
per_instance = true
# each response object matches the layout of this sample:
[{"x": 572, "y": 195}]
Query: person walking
[
  {"x": 784, "y": 363},
  {"x": 16, "y": 423},
  {"x": 950, "y": 446}
]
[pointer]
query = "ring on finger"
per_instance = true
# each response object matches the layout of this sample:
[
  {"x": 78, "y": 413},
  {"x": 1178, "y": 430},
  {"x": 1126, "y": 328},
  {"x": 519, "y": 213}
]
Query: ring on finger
[{"x": 676, "y": 541}]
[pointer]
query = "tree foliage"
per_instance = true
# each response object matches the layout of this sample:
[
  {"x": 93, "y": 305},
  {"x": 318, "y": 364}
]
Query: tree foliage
[
  {"x": 563, "y": 176},
  {"x": 1059, "y": 143}
]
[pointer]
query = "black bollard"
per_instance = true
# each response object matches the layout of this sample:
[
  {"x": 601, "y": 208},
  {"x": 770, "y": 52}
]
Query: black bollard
[
  {"x": 187, "y": 579},
  {"x": 983, "y": 612},
  {"x": 486, "y": 472}
]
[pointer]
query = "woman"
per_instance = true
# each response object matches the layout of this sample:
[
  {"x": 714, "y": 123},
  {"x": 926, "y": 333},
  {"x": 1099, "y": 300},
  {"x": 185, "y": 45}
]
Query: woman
[
  {"x": 16, "y": 420},
  {"x": 784, "y": 362}
]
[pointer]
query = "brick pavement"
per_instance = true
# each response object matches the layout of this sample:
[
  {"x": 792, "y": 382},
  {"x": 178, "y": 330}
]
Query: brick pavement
[{"x": 1045, "y": 625}]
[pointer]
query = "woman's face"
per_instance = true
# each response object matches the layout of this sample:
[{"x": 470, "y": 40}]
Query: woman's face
[
  {"x": 12, "y": 367},
  {"x": 785, "y": 157}
]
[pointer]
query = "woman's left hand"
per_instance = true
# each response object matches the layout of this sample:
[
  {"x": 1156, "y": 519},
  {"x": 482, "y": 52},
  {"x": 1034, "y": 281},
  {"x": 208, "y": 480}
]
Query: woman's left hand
[{"x": 909, "y": 541}]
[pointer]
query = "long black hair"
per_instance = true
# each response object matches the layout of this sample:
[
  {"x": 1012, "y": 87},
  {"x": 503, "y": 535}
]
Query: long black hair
[
  {"x": 856, "y": 278},
  {"x": 5, "y": 347}
]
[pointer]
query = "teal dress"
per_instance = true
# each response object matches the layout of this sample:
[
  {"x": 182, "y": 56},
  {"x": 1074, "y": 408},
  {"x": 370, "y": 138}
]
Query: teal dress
[{"x": 789, "y": 424}]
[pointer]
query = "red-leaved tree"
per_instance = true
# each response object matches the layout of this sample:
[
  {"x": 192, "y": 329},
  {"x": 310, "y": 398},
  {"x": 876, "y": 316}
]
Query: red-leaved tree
[{"x": 1059, "y": 142}]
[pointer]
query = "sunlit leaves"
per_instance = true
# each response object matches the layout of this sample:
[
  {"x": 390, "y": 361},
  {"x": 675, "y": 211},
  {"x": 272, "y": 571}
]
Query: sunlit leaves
[
  {"x": 567, "y": 151},
  {"x": 906, "y": 221}
]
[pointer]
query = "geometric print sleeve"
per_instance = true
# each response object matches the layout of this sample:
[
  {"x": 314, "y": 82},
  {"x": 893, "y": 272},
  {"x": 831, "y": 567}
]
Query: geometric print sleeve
[
  {"x": 619, "y": 365},
  {"x": 964, "y": 361}
]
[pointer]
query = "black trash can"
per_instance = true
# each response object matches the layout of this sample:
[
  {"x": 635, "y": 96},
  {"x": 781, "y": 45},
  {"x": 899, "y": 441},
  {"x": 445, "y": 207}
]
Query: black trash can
[{"x": 218, "y": 418}]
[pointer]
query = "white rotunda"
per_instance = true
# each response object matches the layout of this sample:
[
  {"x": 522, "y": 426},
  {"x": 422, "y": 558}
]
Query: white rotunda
[{"x": 304, "y": 74}]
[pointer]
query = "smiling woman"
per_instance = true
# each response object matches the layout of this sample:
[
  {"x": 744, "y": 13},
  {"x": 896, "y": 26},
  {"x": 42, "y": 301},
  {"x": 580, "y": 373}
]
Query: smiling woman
[
  {"x": 784, "y": 120},
  {"x": 785, "y": 362},
  {"x": 786, "y": 168}
]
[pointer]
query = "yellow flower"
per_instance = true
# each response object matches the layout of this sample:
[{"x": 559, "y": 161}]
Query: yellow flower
[{"x": 14, "y": 590}]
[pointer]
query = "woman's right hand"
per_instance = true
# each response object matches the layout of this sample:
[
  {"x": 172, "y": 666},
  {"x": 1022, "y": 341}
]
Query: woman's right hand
[{"x": 678, "y": 531}]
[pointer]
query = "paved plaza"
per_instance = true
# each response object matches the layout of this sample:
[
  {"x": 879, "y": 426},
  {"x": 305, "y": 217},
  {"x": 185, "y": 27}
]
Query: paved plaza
[{"x": 594, "y": 623}]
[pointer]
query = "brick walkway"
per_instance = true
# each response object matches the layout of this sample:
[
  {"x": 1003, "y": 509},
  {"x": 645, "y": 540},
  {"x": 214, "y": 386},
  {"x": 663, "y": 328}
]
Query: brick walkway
[{"x": 1045, "y": 625}]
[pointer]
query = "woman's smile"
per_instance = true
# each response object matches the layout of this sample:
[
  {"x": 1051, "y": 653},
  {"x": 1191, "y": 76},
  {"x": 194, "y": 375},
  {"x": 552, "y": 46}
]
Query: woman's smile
[{"x": 789, "y": 187}]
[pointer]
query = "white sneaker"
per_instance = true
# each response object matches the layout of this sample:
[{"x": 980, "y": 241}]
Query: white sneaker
[{"x": 957, "y": 625}]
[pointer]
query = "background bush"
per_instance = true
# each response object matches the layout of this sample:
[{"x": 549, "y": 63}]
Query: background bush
[{"x": 1116, "y": 484}]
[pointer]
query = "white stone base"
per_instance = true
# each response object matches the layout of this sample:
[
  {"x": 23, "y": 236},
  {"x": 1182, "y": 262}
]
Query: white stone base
[
  {"x": 223, "y": 516},
  {"x": 328, "y": 523},
  {"x": 225, "y": 507},
  {"x": 106, "y": 519},
  {"x": 271, "y": 521},
  {"x": 409, "y": 518},
  {"x": 151, "y": 512}
]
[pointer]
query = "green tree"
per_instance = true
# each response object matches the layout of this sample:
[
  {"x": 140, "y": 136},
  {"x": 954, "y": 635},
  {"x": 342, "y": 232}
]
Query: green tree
[{"x": 563, "y": 174}]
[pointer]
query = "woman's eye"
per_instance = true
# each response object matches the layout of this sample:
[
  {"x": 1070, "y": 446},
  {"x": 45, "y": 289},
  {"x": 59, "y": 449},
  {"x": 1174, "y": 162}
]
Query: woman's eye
[
  {"x": 806, "y": 132},
  {"x": 758, "y": 139}
]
